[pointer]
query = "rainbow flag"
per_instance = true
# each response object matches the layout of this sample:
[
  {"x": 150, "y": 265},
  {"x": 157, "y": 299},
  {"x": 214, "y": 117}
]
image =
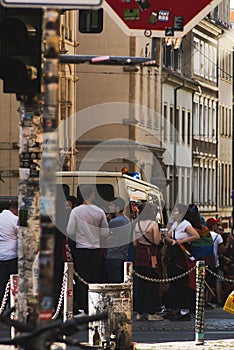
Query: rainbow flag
[{"x": 202, "y": 249}]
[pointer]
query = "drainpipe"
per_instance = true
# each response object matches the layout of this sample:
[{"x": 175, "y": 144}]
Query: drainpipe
[{"x": 175, "y": 140}]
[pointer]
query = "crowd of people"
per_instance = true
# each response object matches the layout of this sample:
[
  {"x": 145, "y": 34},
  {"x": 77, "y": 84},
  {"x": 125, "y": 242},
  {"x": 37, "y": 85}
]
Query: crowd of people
[{"x": 99, "y": 241}]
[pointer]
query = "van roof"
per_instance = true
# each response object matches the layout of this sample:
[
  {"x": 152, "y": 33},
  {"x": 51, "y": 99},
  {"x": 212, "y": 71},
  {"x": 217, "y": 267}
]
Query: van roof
[{"x": 103, "y": 174}]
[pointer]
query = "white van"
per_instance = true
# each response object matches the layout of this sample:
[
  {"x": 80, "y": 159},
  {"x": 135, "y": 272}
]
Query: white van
[{"x": 109, "y": 185}]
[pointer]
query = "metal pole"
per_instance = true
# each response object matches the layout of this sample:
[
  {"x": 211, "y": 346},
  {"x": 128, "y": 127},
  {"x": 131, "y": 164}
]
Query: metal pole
[
  {"x": 49, "y": 163},
  {"x": 68, "y": 292},
  {"x": 200, "y": 302}
]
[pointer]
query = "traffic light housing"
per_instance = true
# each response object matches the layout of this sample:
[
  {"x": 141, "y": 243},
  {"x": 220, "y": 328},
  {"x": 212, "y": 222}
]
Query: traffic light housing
[{"x": 20, "y": 50}]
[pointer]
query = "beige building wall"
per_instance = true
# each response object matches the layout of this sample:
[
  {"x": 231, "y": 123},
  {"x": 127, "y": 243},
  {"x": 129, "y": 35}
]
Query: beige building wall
[
  {"x": 9, "y": 138},
  {"x": 102, "y": 84},
  {"x": 67, "y": 91},
  {"x": 225, "y": 123}
]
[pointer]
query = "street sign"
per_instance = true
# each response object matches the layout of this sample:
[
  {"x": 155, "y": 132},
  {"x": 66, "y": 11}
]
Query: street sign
[
  {"x": 70, "y": 4},
  {"x": 158, "y": 18}
]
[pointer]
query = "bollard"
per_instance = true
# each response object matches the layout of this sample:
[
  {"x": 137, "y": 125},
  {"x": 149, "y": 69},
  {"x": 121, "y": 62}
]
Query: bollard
[
  {"x": 200, "y": 302},
  {"x": 14, "y": 279},
  {"x": 116, "y": 299},
  {"x": 128, "y": 269},
  {"x": 68, "y": 292}
]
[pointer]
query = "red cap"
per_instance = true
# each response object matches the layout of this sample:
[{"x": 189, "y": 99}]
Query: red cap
[{"x": 212, "y": 221}]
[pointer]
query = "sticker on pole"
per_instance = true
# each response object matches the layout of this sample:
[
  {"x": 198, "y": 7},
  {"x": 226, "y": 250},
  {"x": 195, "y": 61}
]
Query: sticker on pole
[{"x": 72, "y": 4}]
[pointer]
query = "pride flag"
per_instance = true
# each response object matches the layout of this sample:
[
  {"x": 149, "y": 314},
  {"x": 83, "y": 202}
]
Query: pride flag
[{"x": 202, "y": 249}]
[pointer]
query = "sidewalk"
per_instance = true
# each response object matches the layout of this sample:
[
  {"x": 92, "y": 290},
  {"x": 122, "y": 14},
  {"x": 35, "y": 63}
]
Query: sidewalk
[
  {"x": 227, "y": 344},
  {"x": 215, "y": 320}
]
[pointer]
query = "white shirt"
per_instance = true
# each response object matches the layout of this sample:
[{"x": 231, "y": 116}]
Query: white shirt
[
  {"x": 217, "y": 240},
  {"x": 8, "y": 235},
  {"x": 86, "y": 225},
  {"x": 179, "y": 230}
]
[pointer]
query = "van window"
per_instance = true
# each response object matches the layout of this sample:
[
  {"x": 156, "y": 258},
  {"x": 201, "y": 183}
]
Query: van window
[{"x": 105, "y": 193}]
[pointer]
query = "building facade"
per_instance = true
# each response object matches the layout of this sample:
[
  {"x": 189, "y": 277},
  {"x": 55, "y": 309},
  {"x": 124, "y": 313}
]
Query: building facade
[
  {"x": 190, "y": 90},
  {"x": 170, "y": 121}
]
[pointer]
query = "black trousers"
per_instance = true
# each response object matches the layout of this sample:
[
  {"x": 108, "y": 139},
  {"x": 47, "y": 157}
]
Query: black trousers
[
  {"x": 87, "y": 264},
  {"x": 147, "y": 297},
  {"x": 7, "y": 268},
  {"x": 179, "y": 294}
]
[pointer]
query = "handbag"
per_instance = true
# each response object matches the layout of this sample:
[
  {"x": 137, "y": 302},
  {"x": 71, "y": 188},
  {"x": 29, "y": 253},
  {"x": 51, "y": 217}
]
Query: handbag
[
  {"x": 229, "y": 303},
  {"x": 153, "y": 250}
]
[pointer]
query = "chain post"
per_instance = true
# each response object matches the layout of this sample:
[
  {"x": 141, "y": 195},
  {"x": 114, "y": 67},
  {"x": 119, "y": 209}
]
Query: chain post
[
  {"x": 128, "y": 271},
  {"x": 200, "y": 302},
  {"x": 68, "y": 292},
  {"x": 4, "y": 299}
]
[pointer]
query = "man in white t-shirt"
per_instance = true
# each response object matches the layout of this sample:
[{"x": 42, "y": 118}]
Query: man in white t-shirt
[
  {"x": 87, "y": 224},
  {"x": 8, "y": 245},
  {"x": 219, "y": 249}
]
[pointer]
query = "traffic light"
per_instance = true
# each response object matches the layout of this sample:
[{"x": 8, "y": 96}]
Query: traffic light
[{"x": 20, "y": 50}]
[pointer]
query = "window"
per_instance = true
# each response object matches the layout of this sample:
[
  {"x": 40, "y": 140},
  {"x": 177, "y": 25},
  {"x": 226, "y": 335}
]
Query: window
[
  {"x": 202, "y": 58},
  {"x": 196, "y": 184},
  {"x": 183, "y": 125},
  {"x": 103, "y": 193},
  {"x": 189, "y": 128},
  {"x": 230, "y": 122},
  {"x": 172, "y": 53},
  {"x": 91, "y": 21},
  {"x": 214, "y": 65},
  {"x": 196, "y": 56},
  {"x": 165, "y": 122},
  {"x": 171, "y": 123},
  {"x": 207, "y": 63},
  {"x": 205, "y": 120},
  {"x": 201, "y": 120},
  {"x": 196, "y": 119},
  {"x": 177, "y": 124}
]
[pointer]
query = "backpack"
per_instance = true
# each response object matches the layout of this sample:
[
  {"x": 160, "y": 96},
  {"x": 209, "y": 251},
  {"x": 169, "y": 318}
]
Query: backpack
[{"x": 202, "y": 249}]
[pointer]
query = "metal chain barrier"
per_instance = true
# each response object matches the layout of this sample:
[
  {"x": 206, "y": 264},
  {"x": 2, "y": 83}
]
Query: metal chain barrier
[
  {"x": 4, "y": 299},
  {"x": 161, "y": 280},
  {"x": 80, "y": 278},
  {"x": 61, "y": 296},
  {"x": 219, "y": 276}
]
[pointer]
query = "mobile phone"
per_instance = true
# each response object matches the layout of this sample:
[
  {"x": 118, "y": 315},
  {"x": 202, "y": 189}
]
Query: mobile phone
[
  {"x": 153, "y": 17},
  {"x": 143, "y": 4}
]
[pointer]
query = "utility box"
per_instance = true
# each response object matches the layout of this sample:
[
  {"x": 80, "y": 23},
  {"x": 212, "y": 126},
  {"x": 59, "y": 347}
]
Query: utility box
[{"x": 116, "y": 299}]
